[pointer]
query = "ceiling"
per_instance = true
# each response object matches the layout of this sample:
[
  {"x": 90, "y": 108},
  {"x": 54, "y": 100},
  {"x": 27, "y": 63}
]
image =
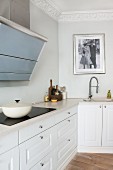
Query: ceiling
[{"x": 83, "y": 5}]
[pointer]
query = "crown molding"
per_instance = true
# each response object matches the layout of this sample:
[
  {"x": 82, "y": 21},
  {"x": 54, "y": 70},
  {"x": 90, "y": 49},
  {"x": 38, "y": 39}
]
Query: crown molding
[
  {"x": 48, "y": 7},
  {"x": 100, "y": 15}
]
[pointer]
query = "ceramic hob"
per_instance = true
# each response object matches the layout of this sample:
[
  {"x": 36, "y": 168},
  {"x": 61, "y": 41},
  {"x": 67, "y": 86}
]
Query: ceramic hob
[{"x": 35, "y": 111}]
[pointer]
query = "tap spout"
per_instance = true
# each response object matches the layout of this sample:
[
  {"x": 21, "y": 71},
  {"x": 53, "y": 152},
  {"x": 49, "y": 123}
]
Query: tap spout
[{"x": 90, "y": 86}]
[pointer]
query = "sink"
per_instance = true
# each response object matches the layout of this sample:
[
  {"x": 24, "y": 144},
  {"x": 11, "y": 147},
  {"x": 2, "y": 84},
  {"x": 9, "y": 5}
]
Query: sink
[
  {"x": 87, "y": 100},
  {"x": 102, "y": 100},
  {"x": 16, "y": 110},
  {"x": 98, "y": 100}
]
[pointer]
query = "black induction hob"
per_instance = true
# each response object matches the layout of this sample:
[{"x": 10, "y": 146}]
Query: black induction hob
[{"x": 35, "y": 111}]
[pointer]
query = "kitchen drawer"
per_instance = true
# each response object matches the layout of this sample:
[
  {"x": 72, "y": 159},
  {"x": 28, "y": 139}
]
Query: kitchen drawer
[
  {"x": 65, "y": 149},
  {"x": 66, "y": 127},
  {"x": 47, "y": 163},
  {"x": 34, "y": 129},
  {"x": 65, "y": 114},
  {"x": 9, "y": 141},
  {"x": 33, "y": 150},
  {"x": 10, "y": 160}
]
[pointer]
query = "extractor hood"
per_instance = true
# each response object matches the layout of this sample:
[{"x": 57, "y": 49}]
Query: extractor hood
[{"x": 20, "y": 49}]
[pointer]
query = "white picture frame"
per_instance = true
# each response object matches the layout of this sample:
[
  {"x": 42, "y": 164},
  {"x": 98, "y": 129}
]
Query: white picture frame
[{"x": 89, "y": 53}]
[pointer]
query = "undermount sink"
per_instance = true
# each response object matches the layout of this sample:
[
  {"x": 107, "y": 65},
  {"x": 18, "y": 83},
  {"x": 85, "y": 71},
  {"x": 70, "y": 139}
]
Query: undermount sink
[
  {"x": 98, "y": 100},
  {"x": 16, "y": 110}
]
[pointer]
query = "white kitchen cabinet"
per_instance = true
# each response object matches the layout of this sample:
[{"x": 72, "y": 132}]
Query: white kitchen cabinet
[
  {"x": 65, "y": 149},
  {"x": 34, "y": 129},
  {"x": 47, "y": 163},
  {"x": 33, "y": 150},
  {"x": 95, "y": 125},
  {"x": 66, "y": 140},
  {"x": 107, "y": 133},
  {"x": 66, "y": 127},
  {"x": 10, "y": 160},
  {"x": 65, "y": 114},
  {"x": 8, "y": 142},
  {"x": 50, "y": 149},
  {"x": 89, "y": 125}
]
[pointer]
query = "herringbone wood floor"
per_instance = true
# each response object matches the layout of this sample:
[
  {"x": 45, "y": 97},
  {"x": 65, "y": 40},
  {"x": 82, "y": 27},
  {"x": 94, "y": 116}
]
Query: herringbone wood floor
[{"x": 91, "y": 161}]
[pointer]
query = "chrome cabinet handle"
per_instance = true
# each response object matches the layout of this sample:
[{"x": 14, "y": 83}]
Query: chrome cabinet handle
[
  {"x": 100, "y": 106},
  {"x": 68, "y": 140},
  {"x": 69, "y": 113},
  {"x": 69, "y": 120},
  {"x": 41, "y": 126},
  {"x": 41, "y": 137},
  {"x": 42, "y": 164},
  {"x": 104, "y": 106}
]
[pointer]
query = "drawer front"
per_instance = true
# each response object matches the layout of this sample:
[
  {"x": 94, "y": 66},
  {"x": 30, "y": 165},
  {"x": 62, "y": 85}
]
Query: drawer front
[
  {"x": 65, "y": 114},
  {"x": 47, "y": 163},
  {"x": 65, "y": 149},
  {"x": 34, "y": 129},
  {"x": 10, "y": 160},
  {"x": 33, "y": 150},
  {"x": 9, "y": 141},
  {"x": 66, "y": 127}
]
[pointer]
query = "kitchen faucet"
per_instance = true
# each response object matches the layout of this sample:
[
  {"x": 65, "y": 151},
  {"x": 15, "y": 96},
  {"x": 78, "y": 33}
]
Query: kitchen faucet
[{"x": 90, "y": 86}]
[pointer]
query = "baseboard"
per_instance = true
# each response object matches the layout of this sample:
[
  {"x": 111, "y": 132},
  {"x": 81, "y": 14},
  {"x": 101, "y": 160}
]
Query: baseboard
[{"x": 95, "y": 149}]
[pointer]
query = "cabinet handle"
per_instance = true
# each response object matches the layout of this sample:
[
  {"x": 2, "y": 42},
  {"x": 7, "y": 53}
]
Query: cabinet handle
[
  {"x": 104, "y": 106},
  {"x": 68, "y": 140},
  {"x": 41, "y": 137},
  {"x": 69, "y": 120},
  {"x": 69, "y": 113},
  {"x": 41, "y": 126},
  {"x": 42, "y": 164},
  {"x": 100, "y": 106}
]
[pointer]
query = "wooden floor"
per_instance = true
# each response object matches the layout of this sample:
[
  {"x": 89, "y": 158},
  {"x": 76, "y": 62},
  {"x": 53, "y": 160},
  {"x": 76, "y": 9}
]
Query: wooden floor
[{"x": 91, "y": 161}]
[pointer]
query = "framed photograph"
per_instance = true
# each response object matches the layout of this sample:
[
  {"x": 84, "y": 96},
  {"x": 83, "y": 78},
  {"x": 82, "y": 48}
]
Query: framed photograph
[{"x": 89, "y": 54}]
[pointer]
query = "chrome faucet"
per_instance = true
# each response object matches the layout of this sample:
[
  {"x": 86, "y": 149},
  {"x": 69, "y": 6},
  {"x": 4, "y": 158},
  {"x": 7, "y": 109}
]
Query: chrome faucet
[{"x": 90, "y": 86}]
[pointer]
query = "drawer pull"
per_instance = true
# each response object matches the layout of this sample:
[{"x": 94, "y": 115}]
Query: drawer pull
[
  {"x": 104, "y": 106},
  {"x": 69, "y": 113},
  {"x": 69, "y": 140},
  {"x": 100, "y": 106},
  {"x": 69, "y": 120},
  {"x": 41, "y": 137},
  {"x": 42, "y": 164},
  {"x": 41, "y": 126}
]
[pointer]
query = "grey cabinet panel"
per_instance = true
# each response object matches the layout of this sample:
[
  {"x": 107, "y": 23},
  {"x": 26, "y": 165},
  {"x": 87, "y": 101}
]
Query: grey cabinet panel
[
  {"x": 5, "y": 8},
  {"x": 20, "y": 12},
  {"x": 16, "y": 43},
  {"x": 16, "y": 65},
  {"x": 13, "y": 76}
]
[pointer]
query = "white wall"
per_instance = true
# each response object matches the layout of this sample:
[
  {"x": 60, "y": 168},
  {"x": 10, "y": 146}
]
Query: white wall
[
  {"x": 77, "y": 85},
  {"x": 46, "y": 68}
]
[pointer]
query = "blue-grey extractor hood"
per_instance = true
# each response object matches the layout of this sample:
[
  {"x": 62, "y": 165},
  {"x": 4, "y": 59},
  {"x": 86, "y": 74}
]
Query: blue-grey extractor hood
[{"x": 20, "y": 49}]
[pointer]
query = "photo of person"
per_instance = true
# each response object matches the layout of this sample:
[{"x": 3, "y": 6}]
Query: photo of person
[{"x": 89, "y": 54}]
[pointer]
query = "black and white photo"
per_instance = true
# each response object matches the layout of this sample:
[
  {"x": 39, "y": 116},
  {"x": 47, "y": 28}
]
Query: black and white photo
[{"x": 89, "y": 54}]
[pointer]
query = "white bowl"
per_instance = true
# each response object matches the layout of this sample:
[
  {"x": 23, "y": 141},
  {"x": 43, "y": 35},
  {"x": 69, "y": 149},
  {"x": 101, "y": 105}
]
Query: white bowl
[{"x": 16, "y": 110}]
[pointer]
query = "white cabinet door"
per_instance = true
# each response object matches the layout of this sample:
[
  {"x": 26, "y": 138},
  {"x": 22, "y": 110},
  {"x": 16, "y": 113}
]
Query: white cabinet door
[
  {"x": 33, "y": 150},
  {"x": 10, "y": 160},
  {"x": 89, "y": 125},
  {"x": 65, "y": 149},
  {"x": 107, "y": 136},
  {"x": 66, "y": 127},
  {"x": 47, "y": 163},
  {"x": 65, "y": 114}
]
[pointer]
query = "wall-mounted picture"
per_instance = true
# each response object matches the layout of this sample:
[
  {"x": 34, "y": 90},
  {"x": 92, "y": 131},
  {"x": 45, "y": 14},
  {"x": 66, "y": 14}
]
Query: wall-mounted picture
[{"x": 89, "y": 54}]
